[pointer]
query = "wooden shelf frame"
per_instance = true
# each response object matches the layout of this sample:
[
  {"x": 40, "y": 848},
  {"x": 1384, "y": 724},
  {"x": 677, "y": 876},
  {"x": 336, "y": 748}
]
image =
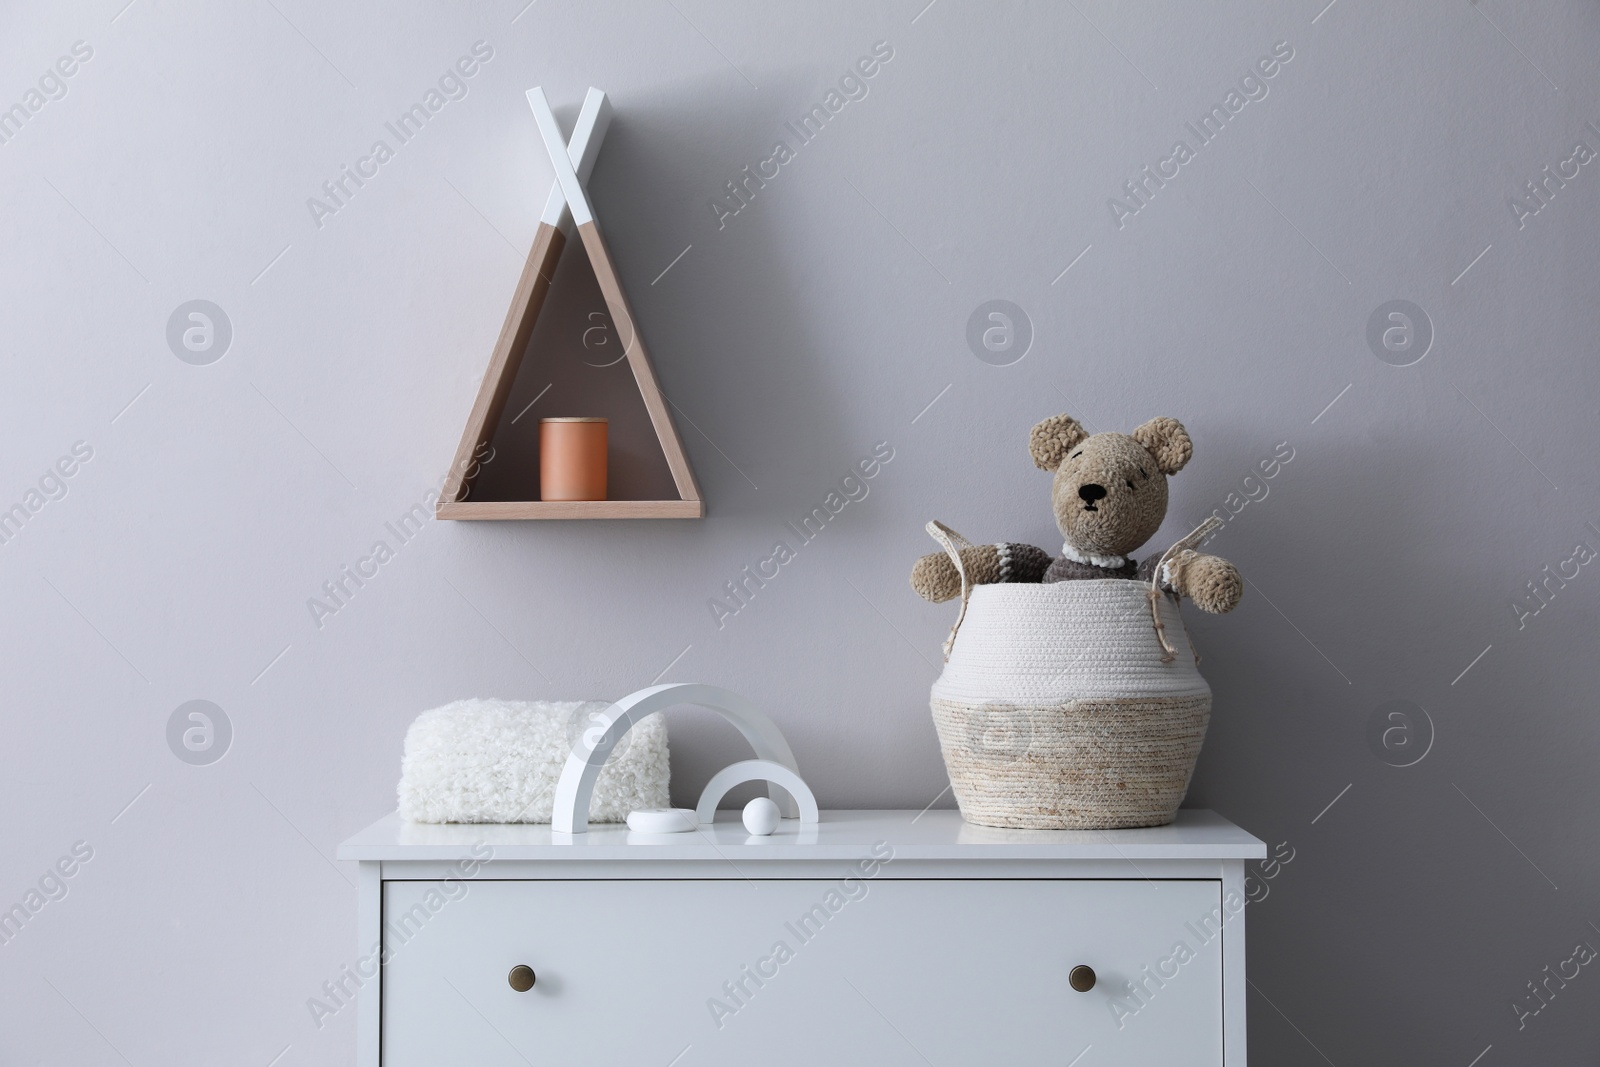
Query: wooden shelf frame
[
  {"x": 501, "y": 510},
  {"x": 567, "y": 204}
]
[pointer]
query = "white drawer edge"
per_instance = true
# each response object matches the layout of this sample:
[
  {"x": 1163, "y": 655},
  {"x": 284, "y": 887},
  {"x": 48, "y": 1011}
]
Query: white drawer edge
[{"x": 652, "y": 870}]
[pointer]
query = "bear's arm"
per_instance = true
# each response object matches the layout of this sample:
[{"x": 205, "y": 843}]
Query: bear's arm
[
  {"x": 935, "y": 579},
  {"x": 1211, "y": 582}
]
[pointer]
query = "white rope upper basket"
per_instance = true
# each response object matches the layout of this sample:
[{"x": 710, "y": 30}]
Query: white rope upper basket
[{"x": 1061, "y": 707}]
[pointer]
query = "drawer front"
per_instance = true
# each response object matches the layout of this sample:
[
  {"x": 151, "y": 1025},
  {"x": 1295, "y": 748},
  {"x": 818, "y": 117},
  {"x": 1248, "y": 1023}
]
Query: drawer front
[{"x": 780, "y": 972}]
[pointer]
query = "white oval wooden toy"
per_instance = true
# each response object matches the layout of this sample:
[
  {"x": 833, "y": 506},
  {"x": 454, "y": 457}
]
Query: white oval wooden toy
[{"x": 664, "y": 820}]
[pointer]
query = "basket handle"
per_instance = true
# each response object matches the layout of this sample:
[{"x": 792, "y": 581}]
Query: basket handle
[
  {"x": 952, "y": 543},
  {"x": 1189, "y": 540}
]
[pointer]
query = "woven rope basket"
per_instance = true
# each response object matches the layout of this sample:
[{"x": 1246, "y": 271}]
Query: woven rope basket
[{"x": 1060, "y": 706}]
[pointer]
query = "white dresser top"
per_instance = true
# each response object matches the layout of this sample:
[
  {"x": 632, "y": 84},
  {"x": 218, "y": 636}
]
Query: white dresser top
[{"x": 841, "y": 835}]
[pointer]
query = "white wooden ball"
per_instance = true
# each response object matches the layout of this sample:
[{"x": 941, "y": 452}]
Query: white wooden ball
[{"x": 761, "y": 816}]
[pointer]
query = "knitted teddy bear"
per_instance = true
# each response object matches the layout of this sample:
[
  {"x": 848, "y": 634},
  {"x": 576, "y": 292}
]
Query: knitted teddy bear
[{"x": 1110, "y": 497}]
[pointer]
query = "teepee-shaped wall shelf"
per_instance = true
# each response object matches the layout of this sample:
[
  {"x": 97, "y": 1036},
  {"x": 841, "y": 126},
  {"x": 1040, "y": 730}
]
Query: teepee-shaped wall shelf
[{"x": 567, "y": 204}]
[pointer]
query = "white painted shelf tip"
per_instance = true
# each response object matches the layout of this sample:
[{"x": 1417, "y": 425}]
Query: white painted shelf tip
[{"x": 555, "y": 145}]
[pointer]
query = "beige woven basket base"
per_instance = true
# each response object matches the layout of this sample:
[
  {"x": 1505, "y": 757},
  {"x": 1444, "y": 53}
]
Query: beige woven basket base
[{"x": 1082, "y": 765}]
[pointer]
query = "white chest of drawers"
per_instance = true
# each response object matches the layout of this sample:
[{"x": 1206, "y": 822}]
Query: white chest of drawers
[{"x": 876, "y": 937}]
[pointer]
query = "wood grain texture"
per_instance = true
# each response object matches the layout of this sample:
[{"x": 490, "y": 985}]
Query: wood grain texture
[
  {"x": 504, "y": 363},
  {"x": 644, "y": 373},
  {"x": 501, "y": 510}
]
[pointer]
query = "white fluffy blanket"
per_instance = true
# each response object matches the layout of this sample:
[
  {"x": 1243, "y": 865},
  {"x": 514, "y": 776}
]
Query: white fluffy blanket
[{"x": 499, "y": 760}]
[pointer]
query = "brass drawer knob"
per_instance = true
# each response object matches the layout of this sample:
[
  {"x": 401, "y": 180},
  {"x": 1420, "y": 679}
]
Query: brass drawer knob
[
  {"x": 522, "y": 977},
  {"x": 1081, "y": 978}
]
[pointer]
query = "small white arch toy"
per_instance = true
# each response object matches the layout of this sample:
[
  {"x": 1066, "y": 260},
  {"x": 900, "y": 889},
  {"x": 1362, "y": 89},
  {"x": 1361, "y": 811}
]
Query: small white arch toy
[{"x": 774, "y": 762}]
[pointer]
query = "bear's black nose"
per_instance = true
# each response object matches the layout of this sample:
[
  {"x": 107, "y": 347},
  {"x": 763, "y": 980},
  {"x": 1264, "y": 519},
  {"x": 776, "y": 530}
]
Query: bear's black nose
[{"x": 1089, "y": 494}]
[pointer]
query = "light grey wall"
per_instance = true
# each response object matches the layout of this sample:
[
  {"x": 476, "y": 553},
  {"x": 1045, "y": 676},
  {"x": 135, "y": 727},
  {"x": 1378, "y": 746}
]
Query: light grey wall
[{"x": 827, "y": 316}]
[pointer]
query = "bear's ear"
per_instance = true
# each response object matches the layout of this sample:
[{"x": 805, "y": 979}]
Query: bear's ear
[
  {"x": 1051, "y": 440},
  {"x": 1167, "y": 441}
]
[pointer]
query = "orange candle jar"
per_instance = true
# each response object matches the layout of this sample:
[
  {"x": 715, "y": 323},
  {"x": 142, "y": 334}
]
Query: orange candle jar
[{"x": 572, "y": 459}]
